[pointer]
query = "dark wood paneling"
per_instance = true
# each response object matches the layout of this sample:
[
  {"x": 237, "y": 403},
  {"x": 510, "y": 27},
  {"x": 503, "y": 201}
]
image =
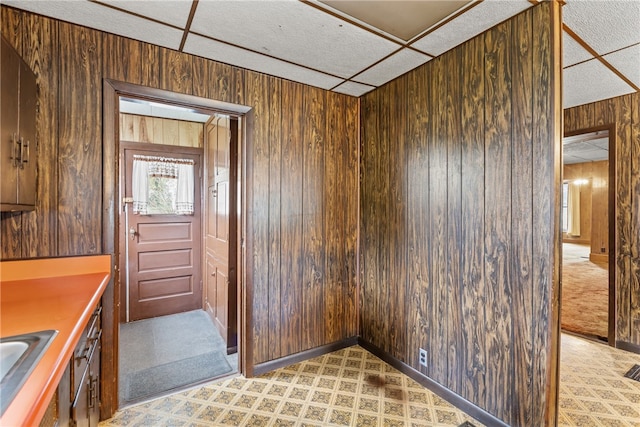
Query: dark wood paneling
[
  {"x": 470, "y": 202},
  {"x": 40, "y": 44},
  {"x": 521, "y": 214},
  {"x": 351, "y": 208},
  {"x": 274, "y": 140},
  {"x": 334, "y": 220},
  {"x": 291, "y": 221},
  {"x": 497, "y": 218},
  {"x": 314, "y": 274},
  {"x": 80, "y": 149},
  {"x": 417, "y": 304},
  {"x": 622, "y": 113},
  {"x": 257, "y": 95}
]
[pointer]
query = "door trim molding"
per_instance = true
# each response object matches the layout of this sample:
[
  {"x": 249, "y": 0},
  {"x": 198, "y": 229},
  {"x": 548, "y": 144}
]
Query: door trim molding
[
  {"x": 611, "y": 198},
  {"x": 112, "y": 90}
]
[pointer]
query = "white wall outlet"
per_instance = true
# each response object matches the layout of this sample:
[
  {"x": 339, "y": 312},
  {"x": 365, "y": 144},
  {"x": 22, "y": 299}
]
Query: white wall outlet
[{"x": 423, "y": 357}]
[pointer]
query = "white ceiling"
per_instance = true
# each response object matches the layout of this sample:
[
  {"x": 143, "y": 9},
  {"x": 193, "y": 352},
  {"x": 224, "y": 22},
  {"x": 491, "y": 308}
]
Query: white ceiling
[{"x": 322, "y": 44}]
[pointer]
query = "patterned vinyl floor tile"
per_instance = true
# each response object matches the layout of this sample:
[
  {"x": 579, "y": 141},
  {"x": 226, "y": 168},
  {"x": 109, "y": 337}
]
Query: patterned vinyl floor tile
[{"x": 351, "y": 387}]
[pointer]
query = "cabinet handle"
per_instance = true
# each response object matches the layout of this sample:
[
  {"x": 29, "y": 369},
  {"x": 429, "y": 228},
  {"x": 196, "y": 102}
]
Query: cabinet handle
[
  {"x": 92, "y": 392},
  {"x": 14, "y": 150},
  {"x": 24, "y": 152}
]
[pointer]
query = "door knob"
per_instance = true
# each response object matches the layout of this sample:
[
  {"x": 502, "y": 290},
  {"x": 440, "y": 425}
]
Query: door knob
[{"x": 133, "y": 233}]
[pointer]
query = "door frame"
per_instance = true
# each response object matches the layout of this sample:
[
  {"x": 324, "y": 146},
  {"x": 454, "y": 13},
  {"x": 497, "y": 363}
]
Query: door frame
[
  {"x": 112, "y": 91},
  {"x": 611, "y": 200}
]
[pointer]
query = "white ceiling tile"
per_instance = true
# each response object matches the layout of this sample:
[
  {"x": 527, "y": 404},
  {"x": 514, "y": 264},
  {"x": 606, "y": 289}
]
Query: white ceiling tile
[
  {"x": 353, "y": 89},
  {"x": 591, "y": 81},
  {"x": 221, "y": 52},
  {"x": 293, "y": 31},
  {"x": 174, "y": 12},
  {"x": 103, "y": 18},
  {"x": 478, "y": 19},
  {"x": 627, "y": 61},
  {"x": 392, "y": 67},
  {"x": 604, "y": 25},
  {"x": 572, "y": 51}
]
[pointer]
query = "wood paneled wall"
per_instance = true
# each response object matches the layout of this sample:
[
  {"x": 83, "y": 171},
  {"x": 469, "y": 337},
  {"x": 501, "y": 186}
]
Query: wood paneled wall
[
  {"x": 460, "y": 204},
  {"x": 302, "y": 166},
  {"x": 157, "y": 130},
  {"x": 624, "y": 113}
]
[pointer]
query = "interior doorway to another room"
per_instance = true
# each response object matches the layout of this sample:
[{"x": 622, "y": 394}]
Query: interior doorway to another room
[
  {"x": 178, "y": 321},
  {"x": 588, "y": 289}
]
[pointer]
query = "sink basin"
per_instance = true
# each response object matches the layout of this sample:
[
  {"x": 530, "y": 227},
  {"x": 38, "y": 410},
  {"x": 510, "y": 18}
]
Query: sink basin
[{"x": 19, "y": 354}]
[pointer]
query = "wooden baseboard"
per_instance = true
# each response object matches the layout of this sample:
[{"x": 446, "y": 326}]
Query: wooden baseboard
[
  {"x": 458, "y": 401},
  {"x": 627, "y": 346},
  {"x": 263, "y": 368},
  {"x": 599, "y": 258}
]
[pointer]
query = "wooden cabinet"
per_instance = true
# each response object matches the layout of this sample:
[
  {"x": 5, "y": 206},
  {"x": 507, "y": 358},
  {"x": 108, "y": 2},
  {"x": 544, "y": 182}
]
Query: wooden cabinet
[
  {"x": 18, "y": 101},
  {"x": 79, "y": 390}
]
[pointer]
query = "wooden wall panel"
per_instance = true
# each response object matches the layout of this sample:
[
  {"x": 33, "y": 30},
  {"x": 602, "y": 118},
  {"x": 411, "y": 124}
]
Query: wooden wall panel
[
  {"x": 275, "y": 213},
  {"x": 521, "y": 214},
  {"x": 314, "y": 274},
  {"x": 481, "y": 238},
  {"x": 497, "y": 217},
  {"x": 417, "y": 304},
  {"x": 291, "y": 221},
  {"x": 351, "y": 152},
  {"x": 622, "y": 112},
  {"x": 80, "y": 148},
  {"x": 156, "y": 130}
]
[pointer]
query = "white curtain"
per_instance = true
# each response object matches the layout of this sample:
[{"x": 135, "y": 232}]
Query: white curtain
[
  {"x": 145, "y": 167},
  {"x": 573, "y": 210},
  {"x": 185, "y": 190},
  {"x": 140, "y": 186}
]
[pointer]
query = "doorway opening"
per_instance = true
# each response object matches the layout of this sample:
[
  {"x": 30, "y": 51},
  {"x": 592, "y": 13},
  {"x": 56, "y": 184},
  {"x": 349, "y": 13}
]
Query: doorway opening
[
  {"x": 166, "y": 332},
  {"x": 588, "y": 244}
]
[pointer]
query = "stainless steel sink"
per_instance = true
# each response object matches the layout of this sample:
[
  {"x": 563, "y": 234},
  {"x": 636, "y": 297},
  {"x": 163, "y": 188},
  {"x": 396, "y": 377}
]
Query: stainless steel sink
[{"x": 19, "y": 354}]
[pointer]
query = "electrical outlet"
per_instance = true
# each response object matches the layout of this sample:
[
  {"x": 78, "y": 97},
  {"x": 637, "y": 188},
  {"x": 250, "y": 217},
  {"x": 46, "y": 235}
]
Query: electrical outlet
[{"x": 423, "y": 357}]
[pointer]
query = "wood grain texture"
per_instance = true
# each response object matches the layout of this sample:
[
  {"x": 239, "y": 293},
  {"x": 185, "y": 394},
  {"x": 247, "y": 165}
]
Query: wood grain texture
[
  {"x": 497, "y": 215},
  {"x": 474, "y": 380},
  {"x": 351, "y": 165},
  {"x": 291, "y": 221},
  {"x": 257, "y": 95},
  {"x": 313, "y": 275},
  {"x": 40, "y": 232},
  {"x": 522, "y": 209},
  {"x": 634, "y": 272},
  {"x": 469, "y": 161},
  {"x": 80, "y": 150},
  {"x": 275, "y": 213},
  {"x": 417, "y": 301}
]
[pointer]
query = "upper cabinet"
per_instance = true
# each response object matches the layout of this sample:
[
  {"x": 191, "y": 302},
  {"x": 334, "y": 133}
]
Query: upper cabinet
[{"x": 18, "y": 122}]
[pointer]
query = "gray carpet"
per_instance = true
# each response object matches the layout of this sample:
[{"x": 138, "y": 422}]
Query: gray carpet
[{"x": 163, "y": 353}]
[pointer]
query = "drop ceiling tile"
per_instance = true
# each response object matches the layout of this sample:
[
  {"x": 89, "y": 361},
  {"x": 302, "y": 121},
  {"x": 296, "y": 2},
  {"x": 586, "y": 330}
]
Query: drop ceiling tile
[
  {"x": 293, "y": 31},
  {"x": 604, "y": 25},
  {"x": 392, "y": 67},
  {"x": 93, "y": 15},
  {"x": 221, "y": 52},
  {"x": 627, "y": 61},
  {"x": 589, "y": 82},
  {"x": 173, "y": 12},
  {"x": 353, "y": 89},
  {"x": 572, "y": 51},
  {"x": 471, "y": 23}
]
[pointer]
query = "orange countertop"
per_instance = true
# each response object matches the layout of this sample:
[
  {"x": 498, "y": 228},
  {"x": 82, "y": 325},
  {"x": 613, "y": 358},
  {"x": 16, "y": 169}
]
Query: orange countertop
[{"x": 51, "y": 293}]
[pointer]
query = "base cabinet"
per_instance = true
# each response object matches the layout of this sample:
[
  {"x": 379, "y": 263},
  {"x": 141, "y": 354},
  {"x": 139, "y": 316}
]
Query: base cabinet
[{"x": 79, "y": 390}]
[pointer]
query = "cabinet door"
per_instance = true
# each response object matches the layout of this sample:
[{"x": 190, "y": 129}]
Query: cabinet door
[
  {"x": 27, "y": 134},
  {"x": 9, "y": 66},
  {"x": 80, "y": 406},
  {"x": 94, "y": 386}
]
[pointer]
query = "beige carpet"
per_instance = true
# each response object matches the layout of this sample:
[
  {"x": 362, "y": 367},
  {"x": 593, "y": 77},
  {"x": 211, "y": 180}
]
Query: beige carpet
[{"x": 585, "y": 296}]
